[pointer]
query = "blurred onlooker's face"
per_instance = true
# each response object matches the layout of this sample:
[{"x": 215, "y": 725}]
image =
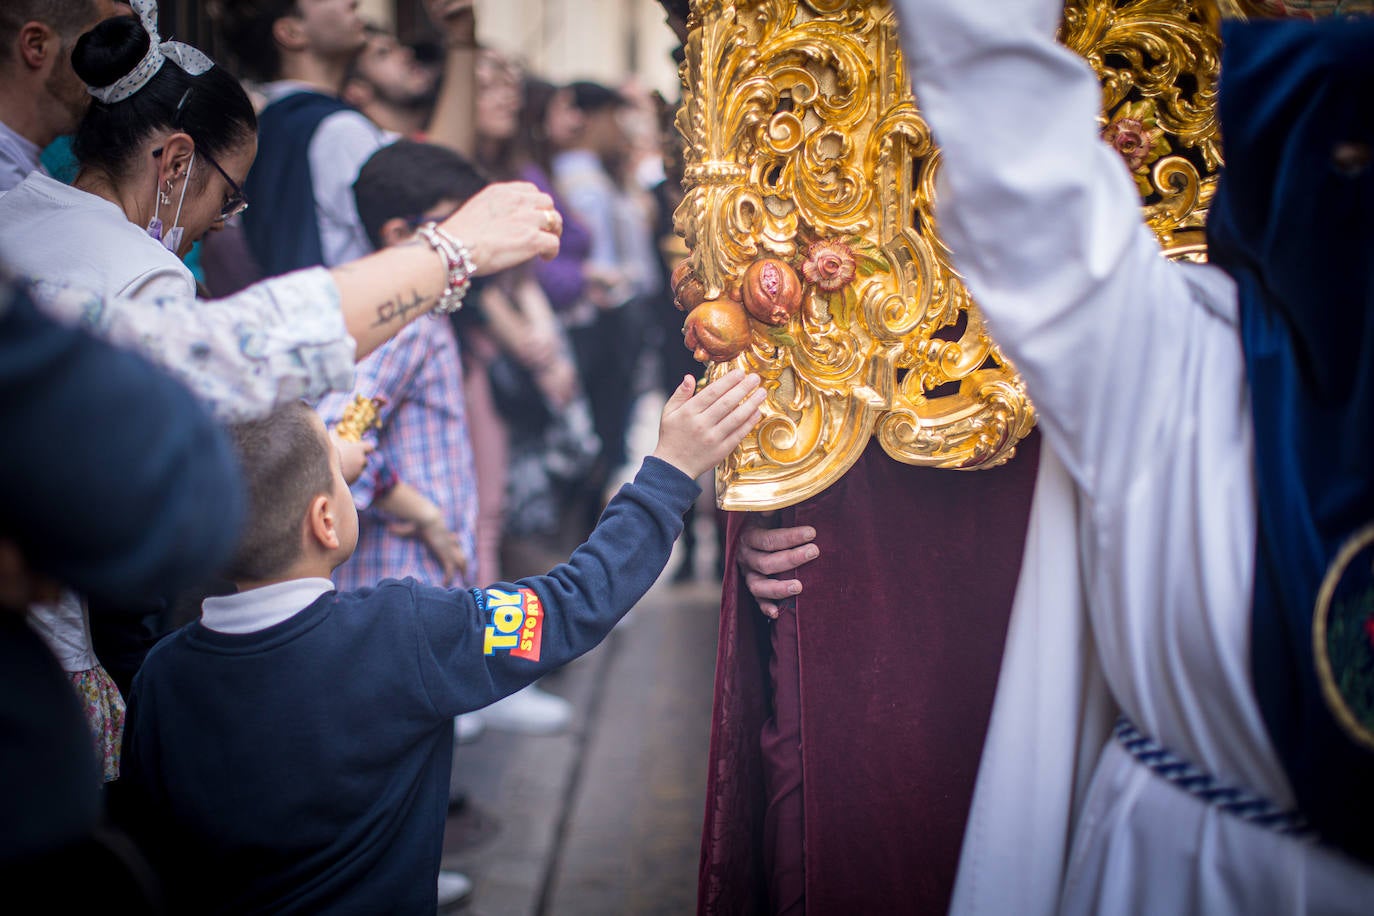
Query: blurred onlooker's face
[
  {"x": 603, "y": 133},
  {"x": 390, "y": 68},
  {"x": 62, "y": 86},
  {"x": 563, "y": 122},
  {"x": 498, "y": 97},
  {"x": 332, "y": 27}
]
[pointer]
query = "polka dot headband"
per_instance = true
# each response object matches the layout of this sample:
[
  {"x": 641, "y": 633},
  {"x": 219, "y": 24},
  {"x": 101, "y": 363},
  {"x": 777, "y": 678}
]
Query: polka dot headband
[{"x": 192, "y": 60}]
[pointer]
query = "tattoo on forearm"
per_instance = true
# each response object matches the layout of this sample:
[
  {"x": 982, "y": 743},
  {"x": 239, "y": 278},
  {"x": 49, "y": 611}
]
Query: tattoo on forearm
[{"x": 401, "y": 309}]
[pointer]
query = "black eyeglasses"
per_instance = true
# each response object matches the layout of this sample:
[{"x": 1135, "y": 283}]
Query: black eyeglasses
[{"x": 237, "y": 201}]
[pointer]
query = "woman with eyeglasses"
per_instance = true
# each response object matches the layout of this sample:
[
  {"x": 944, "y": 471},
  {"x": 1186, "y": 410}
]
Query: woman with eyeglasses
[{"x": 163, "y": 151}]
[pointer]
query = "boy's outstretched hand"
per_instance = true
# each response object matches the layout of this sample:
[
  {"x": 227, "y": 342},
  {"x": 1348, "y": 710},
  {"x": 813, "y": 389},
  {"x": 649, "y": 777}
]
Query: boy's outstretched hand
[{"x": 698, "y": 430}]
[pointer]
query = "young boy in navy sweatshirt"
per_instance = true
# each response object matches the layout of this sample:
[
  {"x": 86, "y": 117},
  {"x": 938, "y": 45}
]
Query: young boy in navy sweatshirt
[{"x": 290, "y": 751}]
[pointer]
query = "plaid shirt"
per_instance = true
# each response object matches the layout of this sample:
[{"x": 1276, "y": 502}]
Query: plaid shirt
[{"x": 423, "y": 441}]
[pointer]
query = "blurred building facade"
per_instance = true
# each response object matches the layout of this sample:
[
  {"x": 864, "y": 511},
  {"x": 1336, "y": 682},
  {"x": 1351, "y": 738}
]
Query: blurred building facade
[{"x": 562, "y": 40}]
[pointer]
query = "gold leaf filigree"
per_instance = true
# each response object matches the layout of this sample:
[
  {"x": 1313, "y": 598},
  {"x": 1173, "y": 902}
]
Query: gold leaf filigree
[{"x": 801, "y": 128}]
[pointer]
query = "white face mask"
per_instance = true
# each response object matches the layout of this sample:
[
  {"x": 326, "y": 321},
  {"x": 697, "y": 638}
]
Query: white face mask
[{"x": 172, "y": 240}]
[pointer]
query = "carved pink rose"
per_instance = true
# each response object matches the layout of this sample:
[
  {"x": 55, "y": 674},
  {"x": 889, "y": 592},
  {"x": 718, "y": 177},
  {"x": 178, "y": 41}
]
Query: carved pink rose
[
  {"x": 829, "y": 265},
  {"x": 1132, "y": 139}
]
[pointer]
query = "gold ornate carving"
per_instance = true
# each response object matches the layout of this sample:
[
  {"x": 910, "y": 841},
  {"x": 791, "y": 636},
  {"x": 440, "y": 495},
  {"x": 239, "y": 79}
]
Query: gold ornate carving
[
  {"x": 804, "y": 144},
  {"x": 362, "y": 414}
]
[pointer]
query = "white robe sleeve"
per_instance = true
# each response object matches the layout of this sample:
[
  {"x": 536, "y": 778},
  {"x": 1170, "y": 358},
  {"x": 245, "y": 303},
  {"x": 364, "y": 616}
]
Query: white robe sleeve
[
  {"x": 1044, "y": 223},
  {"x": 1135, "y": 366}
]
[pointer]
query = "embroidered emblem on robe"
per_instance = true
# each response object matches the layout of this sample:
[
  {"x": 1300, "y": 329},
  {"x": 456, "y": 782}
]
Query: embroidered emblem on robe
[{"x": 1343, "y": 637}]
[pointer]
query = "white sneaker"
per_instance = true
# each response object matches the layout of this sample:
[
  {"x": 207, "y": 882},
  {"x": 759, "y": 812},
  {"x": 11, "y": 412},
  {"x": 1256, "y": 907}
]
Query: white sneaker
[
  {"x": 455, "y": 889},
  {"x": 468, "y": 727},
  {"x": 529, "y": 711}
]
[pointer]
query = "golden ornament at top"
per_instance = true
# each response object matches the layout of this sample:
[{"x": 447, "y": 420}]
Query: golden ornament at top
[
  {"x": 361, "y": 415},
  {"x": 804, "y": 145}
]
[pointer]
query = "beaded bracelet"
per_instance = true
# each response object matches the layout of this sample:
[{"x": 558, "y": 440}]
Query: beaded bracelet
[{"x": 457, "y": 262}]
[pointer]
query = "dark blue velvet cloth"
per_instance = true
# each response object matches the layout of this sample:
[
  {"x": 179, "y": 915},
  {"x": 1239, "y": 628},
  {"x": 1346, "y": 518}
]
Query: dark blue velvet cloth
[
  {"x": 282, "y": 229},
  {"x": 116, "y": 481},
  {"x": 1293, "y": 223}
]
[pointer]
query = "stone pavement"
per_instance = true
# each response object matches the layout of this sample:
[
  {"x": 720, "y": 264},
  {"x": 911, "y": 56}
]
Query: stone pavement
[{"x": 606, "y": 818}]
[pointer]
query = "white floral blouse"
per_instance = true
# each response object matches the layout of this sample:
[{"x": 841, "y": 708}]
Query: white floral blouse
[{"x": 243, "y": 355}]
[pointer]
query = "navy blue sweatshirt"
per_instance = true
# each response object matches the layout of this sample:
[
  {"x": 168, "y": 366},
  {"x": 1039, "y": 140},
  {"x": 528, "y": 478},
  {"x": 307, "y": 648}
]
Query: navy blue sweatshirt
[{"x": 304, "y": 768}]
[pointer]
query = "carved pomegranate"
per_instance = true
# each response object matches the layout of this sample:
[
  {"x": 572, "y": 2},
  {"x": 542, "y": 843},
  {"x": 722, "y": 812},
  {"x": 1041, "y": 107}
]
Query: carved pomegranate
[
  {"x": 680, "y": 273},
  {"x": 690, "y": 294},
  {"x": 717, "y": 330},
  {"x": 772, "y": 291},
  {"x": 688, "y": 290}
]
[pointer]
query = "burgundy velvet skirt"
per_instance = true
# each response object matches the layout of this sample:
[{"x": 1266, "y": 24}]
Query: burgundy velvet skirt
[{"x": 899, "y": 635}]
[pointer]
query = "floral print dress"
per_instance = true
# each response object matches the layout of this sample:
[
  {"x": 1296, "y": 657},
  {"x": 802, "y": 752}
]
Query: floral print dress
[{"x": 65, "y": 627}]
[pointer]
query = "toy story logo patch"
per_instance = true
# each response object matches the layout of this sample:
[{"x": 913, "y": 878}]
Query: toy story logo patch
[
  {"x": 516, "y": 622},
  {"x": 1343, "y": 637}
]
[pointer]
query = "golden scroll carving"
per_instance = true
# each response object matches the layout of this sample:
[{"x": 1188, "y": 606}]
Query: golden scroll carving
[{"x": 801, "y": 132}]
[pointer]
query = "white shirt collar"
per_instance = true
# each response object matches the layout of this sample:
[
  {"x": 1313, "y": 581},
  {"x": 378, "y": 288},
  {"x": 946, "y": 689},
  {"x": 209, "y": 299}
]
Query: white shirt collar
[{"x": 260, "y": 608}]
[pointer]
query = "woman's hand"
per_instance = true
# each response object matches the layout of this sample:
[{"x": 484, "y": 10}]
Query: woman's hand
[
  {"x": 536, "y": 347},
  {"x": 505, "y": 225},
  {"x": 416, "y": 515}
]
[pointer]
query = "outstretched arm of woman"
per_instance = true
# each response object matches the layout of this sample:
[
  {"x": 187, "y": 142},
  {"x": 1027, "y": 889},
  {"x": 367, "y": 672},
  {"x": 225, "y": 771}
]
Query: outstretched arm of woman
[
  {"x": 504, "y": 225},
  {"x": 294, "y": 336}
]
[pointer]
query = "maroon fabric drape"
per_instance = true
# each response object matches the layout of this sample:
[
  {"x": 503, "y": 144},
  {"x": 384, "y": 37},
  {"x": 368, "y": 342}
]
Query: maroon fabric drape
[{"x": 900, "y": 632}]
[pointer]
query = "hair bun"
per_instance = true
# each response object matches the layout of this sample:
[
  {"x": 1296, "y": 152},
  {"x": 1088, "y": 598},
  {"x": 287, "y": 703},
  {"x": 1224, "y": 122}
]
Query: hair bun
[{"x": 110, "y": 51}]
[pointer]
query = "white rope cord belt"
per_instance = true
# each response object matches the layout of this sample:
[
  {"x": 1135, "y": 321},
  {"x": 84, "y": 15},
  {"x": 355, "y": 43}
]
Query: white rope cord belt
[{"x": 1235, "y": 801}]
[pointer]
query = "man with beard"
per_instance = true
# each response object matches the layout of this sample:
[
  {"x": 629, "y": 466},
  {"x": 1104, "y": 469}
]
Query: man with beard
[
  {"x": 311, "y": 143},
  {"x": 434, "y": 103},
  {"x": 41, "y": 97},
  {"x": 387, "y": 84}
]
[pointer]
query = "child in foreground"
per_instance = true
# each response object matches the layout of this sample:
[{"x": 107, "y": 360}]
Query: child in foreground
[{"x": 290, "y": 752}]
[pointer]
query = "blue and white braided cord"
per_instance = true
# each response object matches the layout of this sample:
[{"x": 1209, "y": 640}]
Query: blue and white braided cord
[{"x": 1197, "y": 782}]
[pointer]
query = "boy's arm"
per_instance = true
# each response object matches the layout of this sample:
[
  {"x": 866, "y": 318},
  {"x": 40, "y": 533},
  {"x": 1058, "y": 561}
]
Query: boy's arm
[{"x": 506, "y": 636}]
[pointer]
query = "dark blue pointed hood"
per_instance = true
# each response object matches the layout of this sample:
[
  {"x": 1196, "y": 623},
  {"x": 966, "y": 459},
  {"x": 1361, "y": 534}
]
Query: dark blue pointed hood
[{"x": 1293, "y": 223}]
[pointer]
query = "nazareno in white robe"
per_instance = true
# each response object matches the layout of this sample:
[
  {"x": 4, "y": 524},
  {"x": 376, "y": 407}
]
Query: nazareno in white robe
[{"x": 1135, "y": 367}]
